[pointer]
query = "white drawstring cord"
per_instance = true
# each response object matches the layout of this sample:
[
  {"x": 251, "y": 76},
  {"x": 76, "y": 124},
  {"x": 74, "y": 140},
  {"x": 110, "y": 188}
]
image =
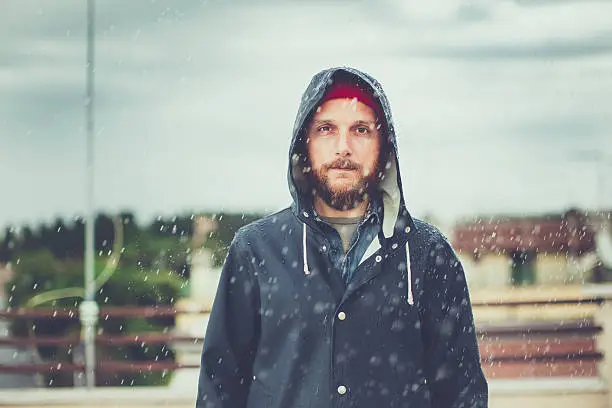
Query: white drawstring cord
[
  {"x": 306, "y": 270},
  {"x": 410, "y": 295}
]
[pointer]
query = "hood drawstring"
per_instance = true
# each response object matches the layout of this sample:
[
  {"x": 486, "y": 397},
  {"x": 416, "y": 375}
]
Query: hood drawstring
[
  {"x": 409, "y": 270},
  {"x": 306, "y": 270},
  {"x": 382, "y": 240}
]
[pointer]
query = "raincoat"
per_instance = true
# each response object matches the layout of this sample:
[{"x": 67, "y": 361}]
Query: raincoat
[{"x": 286, "y": 331}]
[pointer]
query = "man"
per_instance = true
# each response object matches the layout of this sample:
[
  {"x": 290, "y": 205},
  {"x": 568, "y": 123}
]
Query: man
[{"x": 343, "y": 299}]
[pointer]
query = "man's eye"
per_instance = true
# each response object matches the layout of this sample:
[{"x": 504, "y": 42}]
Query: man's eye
[
  {"x": 363, "y": 130},
  {"x": 324, "y": 129}
]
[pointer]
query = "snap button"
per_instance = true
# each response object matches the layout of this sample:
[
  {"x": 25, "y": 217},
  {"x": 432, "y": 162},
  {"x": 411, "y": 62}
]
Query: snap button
[
  {"x": 342, "y": 390},
  {"x": 394, "y": 246},
  {"x": 305, "y": 214},
  {"x": 341, "y": 315},
  {"x": 407, "y": 229},
  {"x": 378, "y": 258}
]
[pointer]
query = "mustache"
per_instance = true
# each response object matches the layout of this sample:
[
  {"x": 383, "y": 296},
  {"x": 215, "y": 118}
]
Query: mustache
[{"x": 344, "y": 164}]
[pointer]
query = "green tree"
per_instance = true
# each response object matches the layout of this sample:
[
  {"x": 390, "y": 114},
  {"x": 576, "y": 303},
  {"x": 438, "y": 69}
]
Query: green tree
[
  {"x": 152, "y": 270},
  {"x": 44, "y": 271}
]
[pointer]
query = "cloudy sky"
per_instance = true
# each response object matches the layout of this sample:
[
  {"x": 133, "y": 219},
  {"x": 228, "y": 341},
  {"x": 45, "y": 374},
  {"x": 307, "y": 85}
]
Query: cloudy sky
[{"x": 501, "y": 106}]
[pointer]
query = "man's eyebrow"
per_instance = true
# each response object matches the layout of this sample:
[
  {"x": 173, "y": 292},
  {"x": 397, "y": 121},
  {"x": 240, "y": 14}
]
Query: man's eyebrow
[
  {"x": 321, "y": 121},
  {"x": 366, "y": 122},
  {"x": 357, "y": 122}
]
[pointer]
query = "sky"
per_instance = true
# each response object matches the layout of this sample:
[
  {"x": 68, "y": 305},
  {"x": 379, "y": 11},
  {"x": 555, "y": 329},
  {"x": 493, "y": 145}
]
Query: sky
[{"x": 500, "y": 106}]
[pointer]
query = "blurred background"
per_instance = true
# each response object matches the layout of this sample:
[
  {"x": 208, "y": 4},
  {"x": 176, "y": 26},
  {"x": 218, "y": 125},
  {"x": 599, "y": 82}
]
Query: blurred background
[{"x": 503, "y": 115}]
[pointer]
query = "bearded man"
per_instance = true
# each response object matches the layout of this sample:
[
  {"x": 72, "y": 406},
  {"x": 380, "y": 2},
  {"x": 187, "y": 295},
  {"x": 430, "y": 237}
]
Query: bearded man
[{"x": 343, "y": 299}]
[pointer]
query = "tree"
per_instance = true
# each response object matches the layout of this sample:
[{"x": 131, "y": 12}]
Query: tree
[
  {"x": 29, "y": 240},
  {"x": 6, "y": 246},
  {"x": 152, "y": 270}
]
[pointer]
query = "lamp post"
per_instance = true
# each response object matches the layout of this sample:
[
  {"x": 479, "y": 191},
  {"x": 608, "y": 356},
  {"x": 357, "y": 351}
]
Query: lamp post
[{"x": 88, "y": 309}]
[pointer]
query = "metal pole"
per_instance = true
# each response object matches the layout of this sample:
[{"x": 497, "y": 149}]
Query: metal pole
[{"x": 89, "y": 308}]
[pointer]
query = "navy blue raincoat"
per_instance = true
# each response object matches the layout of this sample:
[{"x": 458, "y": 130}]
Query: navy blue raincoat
[{"x": 286, "y": 331}]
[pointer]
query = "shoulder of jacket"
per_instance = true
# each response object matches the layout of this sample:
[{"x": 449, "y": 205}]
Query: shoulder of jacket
[
  {"x": 429, "y": 234},
  {"x": 435, "y": 243},
  {"x": 254, "y": 230}
]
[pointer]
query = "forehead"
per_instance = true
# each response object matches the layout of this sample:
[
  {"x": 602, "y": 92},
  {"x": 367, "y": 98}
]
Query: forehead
[{"x": 344, "y": 110}]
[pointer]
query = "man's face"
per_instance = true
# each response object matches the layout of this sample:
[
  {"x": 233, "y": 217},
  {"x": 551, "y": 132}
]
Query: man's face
[{"x": 343, "y": 148}]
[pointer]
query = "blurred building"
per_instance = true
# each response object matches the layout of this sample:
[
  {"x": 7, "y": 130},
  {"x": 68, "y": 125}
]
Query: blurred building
[{"x": 552, "y": 249}]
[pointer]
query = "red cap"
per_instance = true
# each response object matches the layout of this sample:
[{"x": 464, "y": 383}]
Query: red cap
[{"x": 342, "y": 90}]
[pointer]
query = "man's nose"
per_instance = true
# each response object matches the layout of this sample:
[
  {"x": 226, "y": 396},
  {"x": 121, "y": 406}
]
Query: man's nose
[{"x": 343, "y": 144}]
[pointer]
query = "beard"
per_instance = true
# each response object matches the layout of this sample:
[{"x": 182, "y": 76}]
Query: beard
[{"x": 344, "y": 197}]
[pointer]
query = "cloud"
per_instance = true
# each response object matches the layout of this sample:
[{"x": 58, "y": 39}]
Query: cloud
[
  {"x": 502, "y": 30},
  {"x": 195, "y": 100}
]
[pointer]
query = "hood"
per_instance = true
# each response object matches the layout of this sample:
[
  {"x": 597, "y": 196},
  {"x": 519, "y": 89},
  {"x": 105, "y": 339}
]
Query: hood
[{"x": 395, "y": 215}]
